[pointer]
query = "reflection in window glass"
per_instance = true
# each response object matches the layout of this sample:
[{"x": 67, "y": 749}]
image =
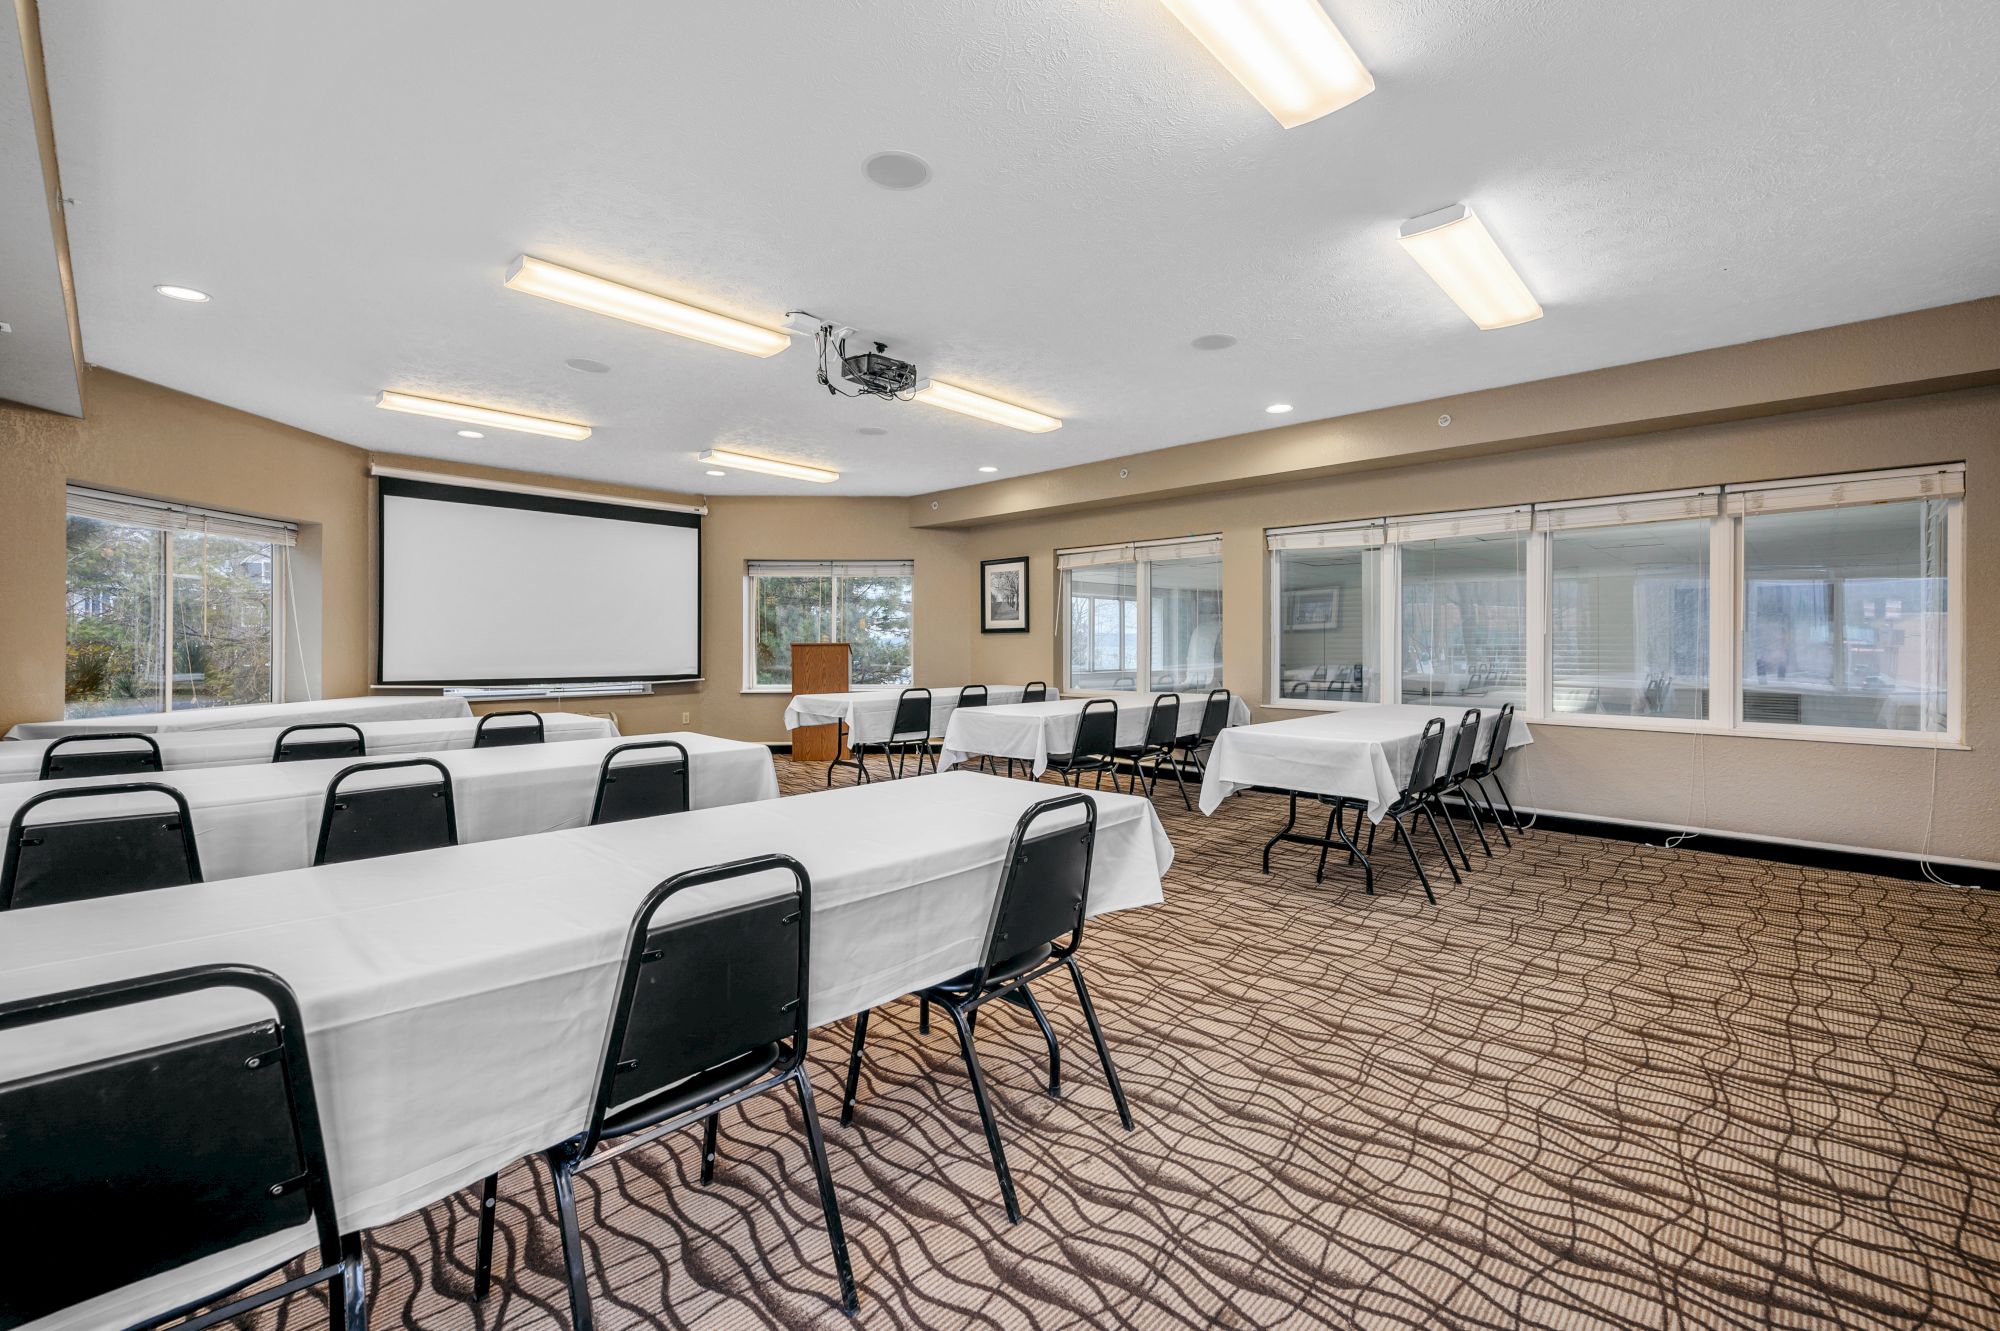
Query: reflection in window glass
[
  {"x": 1327, "y": 633},
  {"x": 1184, "y": 631},
  {"x": 869, "y": 612},
  {"x": 1464, "y": 620},
  {"x": 1628, "y": 620},
  {"x": 789, "y": 610},
  {"x": 875, "y": 623},
  {"x": 225, "y": 613},
  {"x": 117, "y": 619},
  {"x": 1844, "y": 617},
  {"x": 1103, "y": 626}
]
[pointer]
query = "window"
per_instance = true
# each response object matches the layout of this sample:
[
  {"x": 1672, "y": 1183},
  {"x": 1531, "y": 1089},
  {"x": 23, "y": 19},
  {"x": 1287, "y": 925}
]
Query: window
[
  {"x": 1464, "y": 595},
  {"x": 1328, "y": 584},
  {"x": 169, "y": 606},
  {"x": 866, "y": 605},
  {"x": 1157, "y": 602}
]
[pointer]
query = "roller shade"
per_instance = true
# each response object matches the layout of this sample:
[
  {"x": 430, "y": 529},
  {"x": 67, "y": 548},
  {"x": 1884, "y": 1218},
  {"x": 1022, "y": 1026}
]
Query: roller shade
[
  {"x": 1141, "y": 552},
  {"x": 836, "y": 568},
  {"x": 1330, "y": 536},
  {"x": 1665, "y": 507},
  {"x": 1474, "y": 522},
  {"x": 157, "y": 515},
  {"x": 1882, "y": 487}
]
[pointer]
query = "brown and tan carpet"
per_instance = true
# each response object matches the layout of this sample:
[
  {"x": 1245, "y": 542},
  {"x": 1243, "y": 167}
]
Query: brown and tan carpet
[{"x": 1600, "y": 1085}]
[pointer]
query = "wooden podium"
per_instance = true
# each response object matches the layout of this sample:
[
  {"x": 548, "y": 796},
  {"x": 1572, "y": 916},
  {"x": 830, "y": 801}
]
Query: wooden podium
[{"x": 818, "y": 667}]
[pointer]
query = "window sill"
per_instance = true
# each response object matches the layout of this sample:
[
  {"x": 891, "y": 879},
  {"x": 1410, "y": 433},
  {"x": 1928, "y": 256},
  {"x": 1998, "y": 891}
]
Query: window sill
[
  {"x": 776, "y": 690},
  {"x": 1893, "y": 739}
]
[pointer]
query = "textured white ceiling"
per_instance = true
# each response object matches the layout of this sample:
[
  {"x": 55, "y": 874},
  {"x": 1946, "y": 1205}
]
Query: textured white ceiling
[{"x": 350, "y": 181}]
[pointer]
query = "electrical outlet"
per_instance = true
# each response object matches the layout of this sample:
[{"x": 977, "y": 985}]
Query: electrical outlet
[{"x": 686, "y": 717}]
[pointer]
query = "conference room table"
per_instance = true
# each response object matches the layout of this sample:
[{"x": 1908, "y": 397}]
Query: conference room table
[
  {"x": 456, "y": 1001},
  {"x": 264, "y": 819},
  {"x": 869, "y": 713},
  {"x": 250, "y": 716},
  {"x": 21, "y": 760},
  {"x": 1363, "y": 752},
  {"x": 1033, "y": 730}
]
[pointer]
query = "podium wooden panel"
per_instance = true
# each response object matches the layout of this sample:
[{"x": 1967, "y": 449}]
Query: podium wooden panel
[{"x": 818, "y": 667}]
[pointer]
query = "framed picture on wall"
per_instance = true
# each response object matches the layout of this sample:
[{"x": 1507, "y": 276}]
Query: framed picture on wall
[
  {"x": 1318, "y": 608},
  {"x": 1003, "y": 595}
]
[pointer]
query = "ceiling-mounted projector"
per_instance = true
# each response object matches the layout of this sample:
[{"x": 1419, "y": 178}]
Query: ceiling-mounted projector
[{"x": 873, "y": 373}]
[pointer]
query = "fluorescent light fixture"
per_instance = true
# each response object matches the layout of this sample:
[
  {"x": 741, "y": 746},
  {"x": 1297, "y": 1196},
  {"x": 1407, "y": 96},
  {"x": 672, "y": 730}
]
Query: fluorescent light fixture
[
  {"x": 1278, "y": 409},
  {"x": 968, "y": 403},
  {"x": 713, "y": 472},
  {"x": 1455, "y": 248},
  {"x": 491, "y": 419},
  {"x": 1286, "y": 52},
  {"x": 189, "y": 294},
  {"x": 470, "y": 434},
  {"x": 797, "y": 471},
  {"x": 553, "y": 282},
  {"x": 989, "y": 469}
]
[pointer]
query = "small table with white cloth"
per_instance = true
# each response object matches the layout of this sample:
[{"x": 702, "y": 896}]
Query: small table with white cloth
[
  {"x": 456, "y": 1001},
  {"x": 265, "y": 819},
  {"x": 21, "y": 760},
  {"x": 1361, "y": 753},
  {"x": 1033, "y": 730},
  {"x": 251, "y": 716},
  {"x": 868, "y": 714}
]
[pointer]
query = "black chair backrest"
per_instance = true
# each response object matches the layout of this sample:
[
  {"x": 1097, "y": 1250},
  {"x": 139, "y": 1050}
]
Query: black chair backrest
[
  {"x": 1035, "y": 692},
  {"x": 1463, "y": 741},
  {"x": 351, "y": 745},
  {"x": 125, "y": 761},
  {"x": 49, "y": 863},
  {"x": 163, "y": 1156},
  {"x": 1215, "y": 715},
  {"x": 1163, "y": 723},
  {"x": 700, "y": 992},
  {"x": 1044, "y": 884},
  {"x": 1424, "y": 764},
  {"x": 641, "y": 790},
  {"x": 522, "y": 733},
  {"x": 913, "y": 715},
  {"x": 386, "y": 820},
  {"x": 972, "y": 695},
  {"x": 1503, "y": 730},
  {"x": 1096, "y": 730}
]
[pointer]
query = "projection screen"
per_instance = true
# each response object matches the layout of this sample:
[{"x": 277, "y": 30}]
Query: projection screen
[{"x": 490, "y": 587}]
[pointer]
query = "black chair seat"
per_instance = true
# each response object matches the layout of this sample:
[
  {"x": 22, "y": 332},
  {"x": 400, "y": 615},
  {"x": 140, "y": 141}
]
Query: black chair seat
[
  {"x": 696, "y": 1090},
  {"x": 1006, "y": 970}
]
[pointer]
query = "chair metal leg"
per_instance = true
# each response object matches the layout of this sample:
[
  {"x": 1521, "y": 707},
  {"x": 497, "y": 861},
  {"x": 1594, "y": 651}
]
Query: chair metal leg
[
  {"x": 1519, "y": 826},
  {"x": 1186, "y": 803},
  {"x": 923, "y": 1015},
  {"x": 1418, "y": 864},
  {"x": 854, "y": 1068},
  {"x": 1478, "y": 823},
  {"x": 986, "y": 1114},
  {"x": 1025, "y": 998},
  {"x": 1499, "y": 823},
  {"x": 489, "y": 1202},
  {"x": 1097, "y": 1037},
  {"x": 347, "y": 1291},
  {"x": 563, "y": 1160},
  {"x": 1451, "y": 826},
  {"x": 709, "y": 1127},
  {"x": 1425, "y": 809},
  {"x": 828, "y": 1203}
]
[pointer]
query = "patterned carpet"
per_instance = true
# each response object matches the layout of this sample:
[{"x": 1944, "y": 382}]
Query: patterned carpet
[{"x": 1599, "y": 1085}]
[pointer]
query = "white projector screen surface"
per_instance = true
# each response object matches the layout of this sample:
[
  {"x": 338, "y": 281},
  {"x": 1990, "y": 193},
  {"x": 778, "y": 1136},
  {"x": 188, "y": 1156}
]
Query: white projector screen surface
[{"x": 489, "y": 587}]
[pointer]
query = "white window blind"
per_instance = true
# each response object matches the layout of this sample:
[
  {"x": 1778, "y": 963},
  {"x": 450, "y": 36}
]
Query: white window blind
[
  {"x": 851, "y": 568},
  {"x": 1141, "y": 552},
  {"x": 1473, "y": 522},
  {"x": 1671, "y": 506},
  {"x": 1327, "y": 536},
  {"x": 1882, "y": 487},
  {"x": 157, "y": 515}
]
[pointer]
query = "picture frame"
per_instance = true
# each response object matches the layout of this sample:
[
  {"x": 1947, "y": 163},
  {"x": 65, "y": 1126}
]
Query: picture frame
[
  {"x": 1003, "y": 595},
  {"x": 1318, "y": 608}
]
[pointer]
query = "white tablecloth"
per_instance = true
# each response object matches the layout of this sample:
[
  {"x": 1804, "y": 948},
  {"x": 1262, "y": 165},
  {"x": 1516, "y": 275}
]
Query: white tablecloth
[
  {"x": 265, "y": 819},
  {"x": 22, "y": 760},
  {"x": 253, "y": 716},
  {"x": 456, "y": 1001},
  {"x": 1034, "y": 730},
  {"x": 868, "y": 713},
  {"x": 1363, "y": 753}
]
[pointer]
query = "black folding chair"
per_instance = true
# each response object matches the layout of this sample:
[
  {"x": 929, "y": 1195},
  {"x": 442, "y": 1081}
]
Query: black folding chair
[
  {"x": 909, "y": 732},
  {"x": 1035, "y": 692},
  {"x": 386, "y": 820},
  {"x": 1162, "y": 733},
  {"x": 57, "y": 765},
  {"x": 1488, "y": 768},
  {"x": 48, "y": 863},
  {"x": 641, "y": 789},
  {"x": 1214, "y": 720},
  {"x": 974, "y": 695},
  {"x": 710, "y": 1012},
  {"x": 120, "y": 1169},
  {"x": 1417, "y": 797},
  {"x": 516, "y": 732},
  {"x": 351, "y": 745},
  {"x": 1094, "y": 749},
  {"x": 1044, "y": 893},
  {"x": 1457, "y": 767}
]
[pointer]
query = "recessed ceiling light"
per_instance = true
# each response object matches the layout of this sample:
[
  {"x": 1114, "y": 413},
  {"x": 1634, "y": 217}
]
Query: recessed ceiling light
[
  {"x": 554, "y": 282},
  {"x": 1213, "y": 342},
  {"x": 1286, "y": 52},
  {"x": 470, "y": 434},
  {"x": 797, "y": 471},
  {"x": 713, "y": 472},
  {"x": 1458, "y": 252},
  {"x": 587, "y": 366},
  {"x": 189, "y": 294},
  {"x": 871, "y": 429},
  {"x": 897, "y": 170},
  {"x": 491, "y": 419},
  {"x": 1278, "y": 408},
  {"x": 966, "y": 402},
  {"x": 989, "y": 469}
]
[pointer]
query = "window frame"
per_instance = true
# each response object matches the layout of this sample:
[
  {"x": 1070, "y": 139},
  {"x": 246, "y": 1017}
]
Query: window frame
[
  {"x": 837, "y": 570},
  {"x": 1138, "y": 554}
]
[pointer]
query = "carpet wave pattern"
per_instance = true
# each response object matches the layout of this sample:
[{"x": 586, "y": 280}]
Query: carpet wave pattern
[{"x": 1599, "y": 1085}]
